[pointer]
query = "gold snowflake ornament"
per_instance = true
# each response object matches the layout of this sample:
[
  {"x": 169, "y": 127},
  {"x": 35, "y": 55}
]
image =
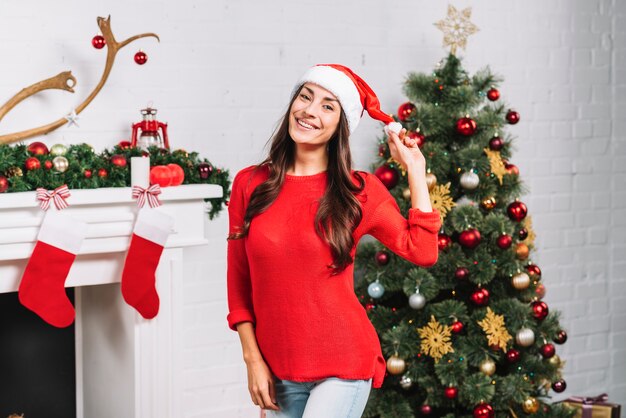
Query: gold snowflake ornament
[
  {"x": 456, "y": 27},
  {"x": 493, "y": 325},
  {"x": 435, "y": 339},
  {"x": 496, "y": 164},
  {"x": 528, "y": 224},
  {"x": 441, "y": 200}
]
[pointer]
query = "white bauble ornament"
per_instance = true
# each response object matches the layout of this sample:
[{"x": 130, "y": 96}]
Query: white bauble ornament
[
  {"x": 60, "y": 164},
  {"x": 417, "y": 301},
  {"x": 406, "y": 382},
  {"x": 376, "y": 289},
  {"x": 525, "y": 337},
  {"x": 469, "y": 180}
]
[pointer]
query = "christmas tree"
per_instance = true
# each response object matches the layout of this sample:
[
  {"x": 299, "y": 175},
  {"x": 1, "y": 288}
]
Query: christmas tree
[{"x": 470, "y": 336}]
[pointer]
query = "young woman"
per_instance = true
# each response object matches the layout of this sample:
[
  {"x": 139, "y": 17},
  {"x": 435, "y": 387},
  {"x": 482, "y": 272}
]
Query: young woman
[{"x": 295, "y": 220}]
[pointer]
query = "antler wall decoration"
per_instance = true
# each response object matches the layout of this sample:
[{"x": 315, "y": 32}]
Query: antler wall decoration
[{"x": 66, "y": 81}]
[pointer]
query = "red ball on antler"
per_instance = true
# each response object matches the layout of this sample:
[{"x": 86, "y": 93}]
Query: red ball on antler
[
  {"x": 141, "y": 58},
  {"x": 98, "y": 41}
]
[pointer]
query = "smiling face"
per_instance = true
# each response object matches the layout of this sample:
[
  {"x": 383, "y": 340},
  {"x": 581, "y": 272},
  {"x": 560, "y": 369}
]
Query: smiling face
[{"x": 314, "y": 115}]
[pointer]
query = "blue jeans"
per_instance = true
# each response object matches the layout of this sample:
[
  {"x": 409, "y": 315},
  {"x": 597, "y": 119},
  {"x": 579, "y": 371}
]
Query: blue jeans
[{"x": 328, "y": 398}]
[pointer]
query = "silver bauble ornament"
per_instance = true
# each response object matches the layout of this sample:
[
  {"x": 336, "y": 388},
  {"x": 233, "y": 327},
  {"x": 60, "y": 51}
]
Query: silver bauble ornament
[
  {"x": 465, "y": 201},
  {"x": 375, "y": 289},
  {"x": 60, "y": 164},
  {"x": 521, "y": 281},
  {"x": 406, "y": 382},
  {"x": 525, "y": 337},
  {"x": 469, "y": 180},
  {"x": 395, "y": 365},
  {"x": 58, "y": 149},
  {"x": 487, "y": 366},
  {"x": 417, "y": 301}
]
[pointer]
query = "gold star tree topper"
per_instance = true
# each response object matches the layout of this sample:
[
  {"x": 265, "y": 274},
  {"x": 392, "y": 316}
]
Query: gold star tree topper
[{"x": 456, "y": 27}]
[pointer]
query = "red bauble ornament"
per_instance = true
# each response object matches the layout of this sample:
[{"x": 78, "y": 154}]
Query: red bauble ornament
[
  {"x": 540, "y": 291},
  {"x": 87, "y": 174},
  {"x": 32, "y": 163},
  {"x": 161, "y": 175},
  {"x": 511, "y": 169},
  {"x": 461, "y": 273},
  {"x": 457, "y": 327},
  {"x": 103, "y": 173},
  {"x": 118, "y": 160},
  {"x": 560, "y": 337},
  {"x": 466, "y": 126},
  {"x": 469, "y": 238},
  {"x": 540, "y": 310},
  {"x": 381, "y": 150},
  {"x": 513, "y": 355},
  {"x": 547, "y": 350},
  {"x": 504, "y": 241},
  {"x": 37, "y": 148},
  {"x": 493, "y": 94},
  {"x": 418, "y": 137},
  {"x": 4, "y": 184},
  {"x": 48, "y": 164},
  {"x": 443, "y": 241},
  {"x": 98, "y": 41},
  {"x": 480, "y": 297},
  {"x": 517, "y": 211},
  {"x": 451, "y": 392},
  {"x": 405, "y": 110},
  {"x": 141, "y": 58},
  {"x": 534, "y": 271},
  {"x": 204, "y": 170},
  {"x": 382, "y": 258},
  {"x": 387, "y": 175},
  {"x": 496, "y": 143},
  {"x": 426, "y": 410},
  {"x": 512, "y": 117},
  {"x": 559, "y": 386},
  {"x": 177, "y": 173},
  {"x": 522, "y": 234},
  {"x": 124, "y": 144},
  {"x": 369, "y": 306},
  {"x": 484, "y": 410}
]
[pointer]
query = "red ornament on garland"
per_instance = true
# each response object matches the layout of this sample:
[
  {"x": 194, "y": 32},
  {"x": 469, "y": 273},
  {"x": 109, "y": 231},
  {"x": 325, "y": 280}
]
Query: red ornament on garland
[
  {"x": 426, "y": 410},
  {"x": 103, "y": 173},
  {"x": 547, "y": 350},
  {"x": 161, "y": 175},
  {"x": 48, "y": 164},
  {"x": 517, "y": 211},
  {"x": 382, "y": 258},
  {"x": 177, "y": 173},
  {"x": 443, "y": 241},
  {"x": 37, "y": 148},
  {"x": 496, "y": 143},
  {"x": 560, "y": 337},
  {"x": 540, "y": 310},
  {"x": 513, "y": 356},
  {"x": 87, "y": 174},
  {"x": 461, "y": 273},
  {"x": 504, "y": 241},
  {"x": 466, "y": 126},
  {"x": 4, "y": 184},
  {"x": 98, "y": 41},
  {"x": 451, "y": 392},
  {"x": 484, "y": 410},
  {"x": 418, "y": 137},
  {"x": 469, "y": 238},
  {"x": 405, "y": 110},
  {"x": 124, "y": 144},
  {"x": 512, "y": 117},
  {"x": 118, "y": 160},
  {"x": 141, "y": 58},
  {"x": 480, "y": 297},
  {"x": 493, "y": 94},
  {"x": 32, "y": 163},
  {"x": 204, "y": 170},
  {"x": 457, "y": 327},
  {"x": 387, "y": 175}
]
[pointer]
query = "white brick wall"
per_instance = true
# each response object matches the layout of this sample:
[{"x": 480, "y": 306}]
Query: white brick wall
[{"x": 221, "y": 77}]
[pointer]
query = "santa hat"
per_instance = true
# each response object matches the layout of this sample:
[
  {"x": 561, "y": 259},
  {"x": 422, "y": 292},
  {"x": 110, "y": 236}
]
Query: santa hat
[{"x": 354, "y": 95}]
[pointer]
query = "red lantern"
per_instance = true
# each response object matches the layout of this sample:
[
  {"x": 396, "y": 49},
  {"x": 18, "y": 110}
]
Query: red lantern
[
  {"x": 512, "y": 117},
  {"x": 484, "y": 410},
  {"x": 32, "y": 163},
  {"x": 161, "y": 175},
  {"x": 418, "y": 137},
  {"x": 98, "y": 41},
  {"x": 387, "y": 175},
  {"x": 469, "y": 238},
  {"x": 382, "y": 258},
  {"x": 443, "y": 241},
  {"x": 547, "y": 350},
  {"x": 149, "y": 128},
  {"x": 480, "y": 297},
  {"x": 451, "y": 392},
  {"x": 177, "y": 173},
  {"x": 493, "y": 94},
  {"x": 466, "y": 126},
  {"x": 405, "y": 110},
  {"x": 37, "y": 148},
  {"x": 504, "y": 241},
  {"x": 4, "y": 184},
  {"x": 118, "y": 160},
  {"x": 517, "y": 211}
]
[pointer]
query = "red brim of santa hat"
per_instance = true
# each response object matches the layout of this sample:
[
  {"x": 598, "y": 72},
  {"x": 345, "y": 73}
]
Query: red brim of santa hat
[{"x": 353, "y": 93}]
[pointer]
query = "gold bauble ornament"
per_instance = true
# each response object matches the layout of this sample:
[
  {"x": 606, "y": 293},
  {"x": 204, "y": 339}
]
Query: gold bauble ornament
[
  {"x": 520, "y": 281},
  {"x": 487, "y": 366},
  {"x": 530, "y": 405},
  {"x": 14, "y": 172},
  {"x": 555, "y": 361},
  {"x": 489, "y": 203},
  {"x": 431, "y": 181},
  {"x": 406, "y": 194},
  {"x": 521, "y": 251},
  {"x": 60, "y": 163},
  {"x": 58, "y": 150},
  {"x": 395, "y": 365}
]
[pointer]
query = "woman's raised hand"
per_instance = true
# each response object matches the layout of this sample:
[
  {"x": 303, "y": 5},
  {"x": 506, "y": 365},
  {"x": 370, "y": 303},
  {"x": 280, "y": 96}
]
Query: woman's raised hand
[
  {"x": 261, "y": 384},
  {"x": 405, "y": 150}
]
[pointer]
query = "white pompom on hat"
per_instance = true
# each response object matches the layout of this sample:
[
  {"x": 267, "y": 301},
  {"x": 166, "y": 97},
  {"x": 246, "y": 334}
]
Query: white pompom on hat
[{"x": 354, "y": 95}]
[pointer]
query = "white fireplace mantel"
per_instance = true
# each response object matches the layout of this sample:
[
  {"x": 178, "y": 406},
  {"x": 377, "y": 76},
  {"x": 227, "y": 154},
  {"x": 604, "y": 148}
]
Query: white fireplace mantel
[{"x": 126, "y": 366}]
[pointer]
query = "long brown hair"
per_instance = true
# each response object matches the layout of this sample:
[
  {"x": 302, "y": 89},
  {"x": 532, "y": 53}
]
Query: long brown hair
[{"x": 339, "y": 211}]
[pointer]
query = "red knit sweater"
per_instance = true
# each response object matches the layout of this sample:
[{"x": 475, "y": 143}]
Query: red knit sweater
[{"x": 310, "y": 325}]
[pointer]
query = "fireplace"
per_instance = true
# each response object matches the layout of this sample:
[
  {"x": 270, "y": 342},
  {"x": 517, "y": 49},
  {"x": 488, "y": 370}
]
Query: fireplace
[{"x": 125, "y": 366}]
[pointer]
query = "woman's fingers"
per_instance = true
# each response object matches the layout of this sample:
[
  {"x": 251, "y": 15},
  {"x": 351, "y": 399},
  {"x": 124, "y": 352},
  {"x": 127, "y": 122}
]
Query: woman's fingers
[{"x": 265, "y": 396}]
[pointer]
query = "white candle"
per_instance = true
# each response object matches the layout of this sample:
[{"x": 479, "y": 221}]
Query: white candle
[{"x": 140, "y": 171}]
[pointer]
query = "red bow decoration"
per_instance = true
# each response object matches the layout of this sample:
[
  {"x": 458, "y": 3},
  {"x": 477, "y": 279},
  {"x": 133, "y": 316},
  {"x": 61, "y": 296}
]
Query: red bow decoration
[
  {"x": 57, "y": 195},
  {"x": 151, "y": 194}
]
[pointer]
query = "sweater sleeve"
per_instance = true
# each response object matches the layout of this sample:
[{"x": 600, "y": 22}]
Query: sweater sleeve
[
  {"x": 414, "y": 239},
  {"x": 238, "y": 271}
]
